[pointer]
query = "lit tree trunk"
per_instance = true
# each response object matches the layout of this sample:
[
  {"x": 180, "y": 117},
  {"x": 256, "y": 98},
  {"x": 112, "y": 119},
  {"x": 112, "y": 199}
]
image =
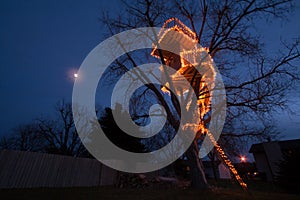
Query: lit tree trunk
[{"x": 198, "y": 179}]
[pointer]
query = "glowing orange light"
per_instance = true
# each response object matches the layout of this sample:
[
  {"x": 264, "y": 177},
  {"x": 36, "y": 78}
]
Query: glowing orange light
[
  {"x": 243, "y": 158},
  {"x": 204, "y": 100},
  {"x": 226, "y": 160}
]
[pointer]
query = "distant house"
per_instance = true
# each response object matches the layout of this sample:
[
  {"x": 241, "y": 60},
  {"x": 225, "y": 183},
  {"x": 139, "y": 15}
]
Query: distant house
[
  {"x": 267, "y": 156},
  {"x": 224, "y": 172},
  {"x": 221, "y": 170}
]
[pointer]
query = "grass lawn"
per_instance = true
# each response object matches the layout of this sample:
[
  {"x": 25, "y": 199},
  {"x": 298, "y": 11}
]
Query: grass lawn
[{"x": 223, "y": 190}]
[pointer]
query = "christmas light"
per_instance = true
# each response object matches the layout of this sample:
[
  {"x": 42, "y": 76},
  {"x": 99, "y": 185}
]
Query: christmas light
[{"x": 187, "y": 69}]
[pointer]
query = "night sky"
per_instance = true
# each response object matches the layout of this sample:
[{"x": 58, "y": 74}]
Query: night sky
[{"x": 42, "y": 43}]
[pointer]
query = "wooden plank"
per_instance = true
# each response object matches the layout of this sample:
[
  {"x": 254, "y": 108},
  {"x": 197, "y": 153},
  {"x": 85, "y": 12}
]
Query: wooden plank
[{"x": 27, "y": 169}]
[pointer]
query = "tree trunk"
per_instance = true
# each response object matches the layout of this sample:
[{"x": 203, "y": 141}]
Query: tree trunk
[
  {"x": 214, "y": 168},
  {"x": 198, "y": 179},
  {"x": 213, "y": 163}
]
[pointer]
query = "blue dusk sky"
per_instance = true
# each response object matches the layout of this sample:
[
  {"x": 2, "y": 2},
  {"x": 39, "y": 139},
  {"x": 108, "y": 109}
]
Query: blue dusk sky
[{"x": 42, "y": 43}]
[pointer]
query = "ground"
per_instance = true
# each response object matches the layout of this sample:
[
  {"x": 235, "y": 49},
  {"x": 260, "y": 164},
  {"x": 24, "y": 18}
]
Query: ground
[{"x": 223, "y": 191}]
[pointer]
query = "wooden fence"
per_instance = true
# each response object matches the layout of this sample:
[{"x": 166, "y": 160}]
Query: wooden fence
[{"x": 20, "y": 169}]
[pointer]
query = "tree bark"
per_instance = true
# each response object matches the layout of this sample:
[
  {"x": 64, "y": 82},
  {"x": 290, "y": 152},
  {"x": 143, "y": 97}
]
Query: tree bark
[
  {"x": 214, "y": 168},
  {"x": 212, "y": 156},
  {"x": 198, "y": 179}
]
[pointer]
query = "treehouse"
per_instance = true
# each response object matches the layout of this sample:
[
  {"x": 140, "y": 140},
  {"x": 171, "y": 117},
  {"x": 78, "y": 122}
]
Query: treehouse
[
  {"x": 186, "y": 62},
  {"x": 177, "y": 37}
]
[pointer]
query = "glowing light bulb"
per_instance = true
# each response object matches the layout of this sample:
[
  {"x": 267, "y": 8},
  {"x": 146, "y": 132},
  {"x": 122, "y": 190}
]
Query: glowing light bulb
[{"x": 243, "y": 158}]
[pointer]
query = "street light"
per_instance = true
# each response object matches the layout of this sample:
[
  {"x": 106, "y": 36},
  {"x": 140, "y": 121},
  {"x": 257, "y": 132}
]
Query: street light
[{"x": 243, "y": 158}]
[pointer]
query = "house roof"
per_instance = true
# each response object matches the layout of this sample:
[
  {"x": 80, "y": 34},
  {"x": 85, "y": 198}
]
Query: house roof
[
  {"x": 174, "y": 36},
  {"x": 256, "y": 148},
  {"x": 286, "y": 144},
  {"x": 290, "y": 144}
]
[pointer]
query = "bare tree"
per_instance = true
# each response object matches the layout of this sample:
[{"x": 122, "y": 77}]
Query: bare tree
[
  {"x": 24, "y": 138},
  {"x": 255, "y": 83},
  {"x": 55, "y": 134},
  {"x": 60, "y": 133}
]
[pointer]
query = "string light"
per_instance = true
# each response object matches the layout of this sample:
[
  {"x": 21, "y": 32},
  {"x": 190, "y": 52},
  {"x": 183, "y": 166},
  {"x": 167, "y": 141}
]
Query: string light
[
  {"x": 188, "y": 70},
  {"x": 226, "y": 160},
  {"x": 178, "y": 23}
]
